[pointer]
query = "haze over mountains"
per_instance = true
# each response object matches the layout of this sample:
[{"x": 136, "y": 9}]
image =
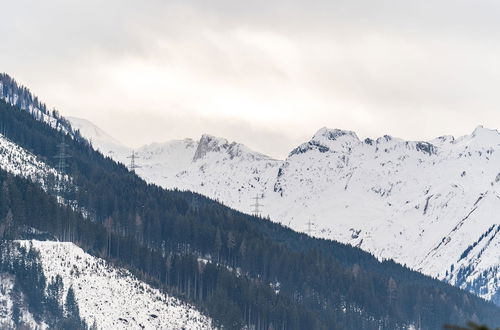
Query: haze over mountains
[{"x": 432, "y": 205}]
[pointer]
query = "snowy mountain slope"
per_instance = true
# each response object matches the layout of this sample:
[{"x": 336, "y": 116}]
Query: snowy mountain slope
[
  {"x": 102, "y": 141},
  {"x": 19, "y": 161},
  {"x": 239, "y": 171},
  {"x": 113, "y": 297},
  {"x": 421, "y": 203},
  {"x": 190, "y": 164},
  {"x": 20, "y": 96},
  {"x": 477, "y": 269}
]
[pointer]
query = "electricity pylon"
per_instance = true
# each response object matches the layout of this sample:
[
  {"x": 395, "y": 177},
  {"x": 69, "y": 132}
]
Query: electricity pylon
[
  {"x": 62, "y": 156},
  {"x": 256, "y": 206},
  {"x": 309, "y": 229},
  {"x": 132, "y": 166}
]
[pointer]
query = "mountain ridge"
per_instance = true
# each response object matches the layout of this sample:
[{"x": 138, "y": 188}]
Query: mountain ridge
[{"x": 335, "y": 157}]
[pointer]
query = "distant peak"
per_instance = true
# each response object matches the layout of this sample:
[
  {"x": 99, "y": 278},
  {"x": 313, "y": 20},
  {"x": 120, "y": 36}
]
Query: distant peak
[
  {"x": 209, "y": 143},
  {"x": 213, "y": 144},
  {"x": 333, "y": 134},
  {"x": 485, "y": 135},
  {"x": 385, "y": 138},
  {"x": 91, "y": 131},
  {"x": 480, "y": 129},
  {"x": 325, "y": 140},
  {"x": 212, "y": 139}
]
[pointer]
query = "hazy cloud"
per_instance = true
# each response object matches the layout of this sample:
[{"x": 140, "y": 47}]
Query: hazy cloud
[{"x": 265, "y": 73}]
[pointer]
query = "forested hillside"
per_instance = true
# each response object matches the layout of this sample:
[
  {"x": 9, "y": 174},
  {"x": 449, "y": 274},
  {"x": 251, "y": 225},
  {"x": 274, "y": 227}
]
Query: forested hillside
[
  {"x": 30, "y": 300},
  {"x": 242, "y": 270}
]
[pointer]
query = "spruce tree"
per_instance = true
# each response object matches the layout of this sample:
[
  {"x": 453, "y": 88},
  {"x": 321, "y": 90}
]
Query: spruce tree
[{"x": 71, "y": 305}]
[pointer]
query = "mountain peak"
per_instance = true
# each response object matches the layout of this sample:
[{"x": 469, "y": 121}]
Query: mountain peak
[
  {"x": 209, "y": 143},
  {"x": 91, "y": 131},
  {"x": 213, "y": 144},
  {"x": 326, "y": 139},
  {"x": 481, "y": 137},
  {"x": 480, "y": 130},
  {"x": 333, "y": 134}
]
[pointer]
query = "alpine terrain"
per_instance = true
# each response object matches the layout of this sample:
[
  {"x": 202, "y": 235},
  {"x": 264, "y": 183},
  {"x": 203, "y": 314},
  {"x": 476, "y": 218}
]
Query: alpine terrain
[
  {"x": 87, "y": 243},
  {"x": 431, "y": 205}
]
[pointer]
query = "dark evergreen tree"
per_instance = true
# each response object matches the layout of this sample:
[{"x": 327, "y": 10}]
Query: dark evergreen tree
[
  {"x": 71, "y": 306},
  {"x": 54, "y": 297}
]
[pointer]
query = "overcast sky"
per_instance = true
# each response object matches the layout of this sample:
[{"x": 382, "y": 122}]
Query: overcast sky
[{"x": 265, "y": 73}]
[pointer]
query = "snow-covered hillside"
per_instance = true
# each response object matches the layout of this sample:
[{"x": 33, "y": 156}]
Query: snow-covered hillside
[
  {"x": 19, "y": 161},
  {"x": 431, "y": 205},
  {"x": 17, "y": 95},
  {"x": 113, "y": 298},
  {"x": 8, "y": 299}
]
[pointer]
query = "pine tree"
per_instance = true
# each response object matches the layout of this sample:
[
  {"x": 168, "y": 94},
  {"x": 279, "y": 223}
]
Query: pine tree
[
  {"x": 54, "y": 293},
  {"x": 16, "y": 312},
  {"x": 71, "y": 305}
]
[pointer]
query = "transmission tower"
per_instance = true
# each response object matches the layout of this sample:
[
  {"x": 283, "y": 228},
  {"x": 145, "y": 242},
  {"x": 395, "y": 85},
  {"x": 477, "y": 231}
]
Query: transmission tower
[
  {"x": 256, "y": 206},
  {"x": 132, "y": 166},
  {"x": 62, "y": 156},
  {"x": 309, "y": 227}
]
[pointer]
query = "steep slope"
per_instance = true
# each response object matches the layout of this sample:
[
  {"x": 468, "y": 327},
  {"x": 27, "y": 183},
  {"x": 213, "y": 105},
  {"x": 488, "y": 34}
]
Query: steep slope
[
  {"x": 421, "y": 203},
  {"x": 19, "y": 161},
  {"x": 217, "y": 168},
  {"x": 100, "y": 140},
  {"x": 110, "y": 297},
  {"x": 14, "y": 94},
  {"x": 212, "y": 165},
  {"x": 28, "y": 300}
]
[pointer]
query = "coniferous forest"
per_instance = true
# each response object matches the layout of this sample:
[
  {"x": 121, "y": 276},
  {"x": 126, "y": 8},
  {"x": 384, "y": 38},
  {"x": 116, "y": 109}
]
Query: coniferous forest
[
  {"x": 42, "y": 296},
  {"x": 241, "y": 270}
]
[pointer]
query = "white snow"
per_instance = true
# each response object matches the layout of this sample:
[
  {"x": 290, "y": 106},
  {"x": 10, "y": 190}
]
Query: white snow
[
  {"x": 111, "y": 296},
  {"x": 48, "y": 117},
  {"x": 100, "y": 140},
  {"x": 420, "y": 203},
  {"x": 19, "y": 161}
]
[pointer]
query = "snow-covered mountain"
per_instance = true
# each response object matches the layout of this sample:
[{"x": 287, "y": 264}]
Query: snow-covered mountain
[
  {"x": 99, "y": 139},
  {"x": 397, "y": 199},
  {"x": 212, "y": 166},
  {"x": 431, "y": 205}
]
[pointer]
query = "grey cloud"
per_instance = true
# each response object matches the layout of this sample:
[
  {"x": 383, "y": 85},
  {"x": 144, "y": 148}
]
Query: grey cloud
[{"x": 399, "y": 67}]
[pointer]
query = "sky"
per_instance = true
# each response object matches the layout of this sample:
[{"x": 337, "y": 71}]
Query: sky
[{"x": 268, "y": 74}]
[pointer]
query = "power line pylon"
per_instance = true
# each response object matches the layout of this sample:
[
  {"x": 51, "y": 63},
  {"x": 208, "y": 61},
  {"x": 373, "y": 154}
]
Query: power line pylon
[
  {"x": 132, "y": 166},
  {"x": 309, "y": 229},
  {"x": 62, "y": 156},
  {"x": 256, "y": 206}
]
